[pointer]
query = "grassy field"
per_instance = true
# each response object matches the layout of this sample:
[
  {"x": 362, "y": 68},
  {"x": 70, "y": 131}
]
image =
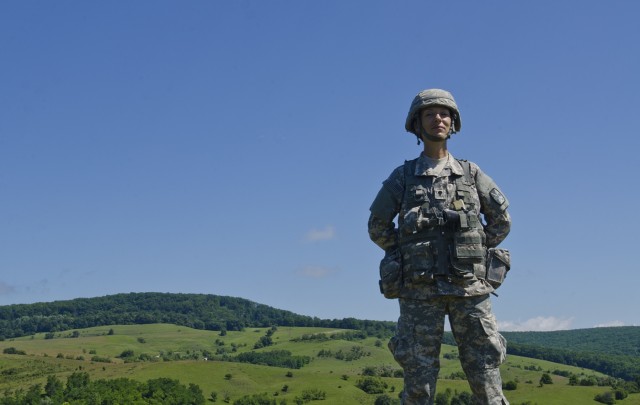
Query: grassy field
[{"x": 65, "y": 354}]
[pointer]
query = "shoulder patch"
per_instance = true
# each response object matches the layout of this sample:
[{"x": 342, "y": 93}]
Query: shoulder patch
[{"x": 497, "y": 196}]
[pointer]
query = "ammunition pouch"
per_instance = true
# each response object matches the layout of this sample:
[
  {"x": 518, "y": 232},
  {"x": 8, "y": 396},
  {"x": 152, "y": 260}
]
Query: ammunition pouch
[
  {"x": 418, "y": 263},
  {"x": 498, "y": 264},
  {"x": 391, "y": 274}
]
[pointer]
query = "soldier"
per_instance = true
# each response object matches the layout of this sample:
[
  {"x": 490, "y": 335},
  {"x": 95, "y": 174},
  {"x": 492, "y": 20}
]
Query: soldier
[{"x": 442, "y": 258}]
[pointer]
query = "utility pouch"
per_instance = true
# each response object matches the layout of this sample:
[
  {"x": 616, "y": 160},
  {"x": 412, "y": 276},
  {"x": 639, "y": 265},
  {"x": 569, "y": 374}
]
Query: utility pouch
[
  {"x": 391, "y": 275},
  {"x": 498, "y": 264},
  {"x": 467, "y": 247}
]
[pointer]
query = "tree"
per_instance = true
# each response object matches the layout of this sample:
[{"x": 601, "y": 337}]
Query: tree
[
  {"x": 77, "y": 386},
  {"x": 263, "y": 342},
  {"x": 545, "y": 379},
  {"x": 54, "y": 389},
  {"x": 463, "y": 398},
  {"x": 605, "y": 398},
  {"x": 621, "y": 394},
  {"x": 510, "y": 385},
  {"x": 443, "y": 398},
  {"x": 385, "y": 399},
  {"x": 126, "y": 354},
  {"x": 372, "y": 385},
  {"x": 256, "y": 399},
  {"x": 33, "y": 395}
]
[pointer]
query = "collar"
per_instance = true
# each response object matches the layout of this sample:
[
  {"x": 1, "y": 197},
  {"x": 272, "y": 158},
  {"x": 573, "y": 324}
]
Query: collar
[{"x": 423, "y": 168}]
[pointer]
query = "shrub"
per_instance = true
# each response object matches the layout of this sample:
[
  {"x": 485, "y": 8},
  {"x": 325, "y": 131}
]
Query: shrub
[
  {"x": 372, "y": 385},
  {"x": 510, "y": 385},
  {"x": 126, "y": 354},
  {"x": 545, "y": 379},
  {"x": 621, "y": 394},
  {"x": 13, "y": 350},
  {"x": 314, "y": 394},
  {"x": 605, "y": 398},
  {"x": 256, "y": 399},
  {"x": 386, "y": 400},
  {"x": 457, "y": 375}
]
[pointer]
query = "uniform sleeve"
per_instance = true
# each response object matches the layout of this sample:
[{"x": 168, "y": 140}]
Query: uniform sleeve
[
  {"x": 383, "y": 233},
  {"x": 493, "y": 206},
  {"x": 385, "y": 207}
]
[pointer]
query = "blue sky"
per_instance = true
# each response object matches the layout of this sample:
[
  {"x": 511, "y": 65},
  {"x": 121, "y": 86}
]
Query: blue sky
[{"x": 234, "y": 148}]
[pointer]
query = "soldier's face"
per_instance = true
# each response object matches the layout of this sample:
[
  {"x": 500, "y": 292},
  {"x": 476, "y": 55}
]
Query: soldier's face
[{"x": 436, "y": 121}]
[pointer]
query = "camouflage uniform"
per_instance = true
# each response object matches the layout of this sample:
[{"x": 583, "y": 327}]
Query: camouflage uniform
[{"x": 438, "y": 277}]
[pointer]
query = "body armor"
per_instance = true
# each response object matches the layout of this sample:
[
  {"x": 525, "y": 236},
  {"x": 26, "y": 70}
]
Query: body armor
[{"x": 440, "y": 231}]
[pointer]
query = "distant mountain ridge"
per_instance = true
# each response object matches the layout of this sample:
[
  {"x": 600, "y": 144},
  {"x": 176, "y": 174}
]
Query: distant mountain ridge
[{"x": 614, "y": 351}]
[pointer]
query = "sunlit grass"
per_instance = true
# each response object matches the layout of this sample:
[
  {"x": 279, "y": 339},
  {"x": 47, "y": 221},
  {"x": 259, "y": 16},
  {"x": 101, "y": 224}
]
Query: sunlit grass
[{"x": 232, "y": 380}]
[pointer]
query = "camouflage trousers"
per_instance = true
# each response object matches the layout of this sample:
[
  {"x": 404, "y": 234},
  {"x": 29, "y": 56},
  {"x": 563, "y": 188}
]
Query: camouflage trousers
[{"x": 416, "y": 347}]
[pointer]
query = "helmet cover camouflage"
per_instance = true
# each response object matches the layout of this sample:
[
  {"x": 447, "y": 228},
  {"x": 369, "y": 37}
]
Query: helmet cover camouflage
[{"x": 433, "y": 97}]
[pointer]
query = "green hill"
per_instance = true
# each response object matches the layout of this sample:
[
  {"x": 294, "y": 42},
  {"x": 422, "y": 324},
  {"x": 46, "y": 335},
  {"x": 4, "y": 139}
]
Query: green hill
[
  {"x": 613, "y": 351},
  {"x": 337, "y": 361},
  {"x": 198, "y": 311}
]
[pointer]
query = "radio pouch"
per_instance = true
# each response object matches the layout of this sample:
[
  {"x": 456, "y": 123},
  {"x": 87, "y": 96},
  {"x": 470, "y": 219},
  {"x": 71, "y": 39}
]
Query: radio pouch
[{"x": 498, "y": 264}]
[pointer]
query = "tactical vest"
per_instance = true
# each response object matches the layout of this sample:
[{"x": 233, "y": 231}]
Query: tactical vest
[{"x": 440, "y": 231}]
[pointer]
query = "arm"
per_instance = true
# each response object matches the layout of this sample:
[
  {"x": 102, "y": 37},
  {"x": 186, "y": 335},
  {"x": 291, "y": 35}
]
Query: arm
[
  {"x": 383, "y": 233},
  {"x": 493, "y": 205},
  {"x": 384, "y": 209},
  {"x": 497, "y": 228}
]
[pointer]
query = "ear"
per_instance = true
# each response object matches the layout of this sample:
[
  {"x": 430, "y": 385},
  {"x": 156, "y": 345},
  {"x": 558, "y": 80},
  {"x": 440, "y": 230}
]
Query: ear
[{"x": 416, "y": 127}]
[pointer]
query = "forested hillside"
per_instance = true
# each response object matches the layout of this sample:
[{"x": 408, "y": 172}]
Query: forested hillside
[
  {"x": 622, "y": 340},
  {"x": 199, "y": 311},
  {"x": 614, "y": 351}
]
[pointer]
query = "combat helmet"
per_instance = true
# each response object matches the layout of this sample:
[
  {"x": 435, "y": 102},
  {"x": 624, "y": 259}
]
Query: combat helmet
[{"x": 433, "y": 97}]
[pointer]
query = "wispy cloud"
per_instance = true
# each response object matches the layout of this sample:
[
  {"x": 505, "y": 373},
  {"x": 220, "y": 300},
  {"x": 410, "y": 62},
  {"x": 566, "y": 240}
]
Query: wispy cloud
[
  {"x": 608, "y": 324},
  {"x": 6, "y": 289},
  {"x": 316, "y": 272},
  {"x": 327, "y": 233},
  {"x": 537, "y": 324}
]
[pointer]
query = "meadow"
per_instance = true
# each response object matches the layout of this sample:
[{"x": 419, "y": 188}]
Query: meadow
[{"x": 190, "y": 356}]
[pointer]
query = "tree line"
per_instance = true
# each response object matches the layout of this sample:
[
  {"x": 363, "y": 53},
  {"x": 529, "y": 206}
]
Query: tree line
[
  {"x": 626, "y": 367},
  {"x": 80, "y": 389}
]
